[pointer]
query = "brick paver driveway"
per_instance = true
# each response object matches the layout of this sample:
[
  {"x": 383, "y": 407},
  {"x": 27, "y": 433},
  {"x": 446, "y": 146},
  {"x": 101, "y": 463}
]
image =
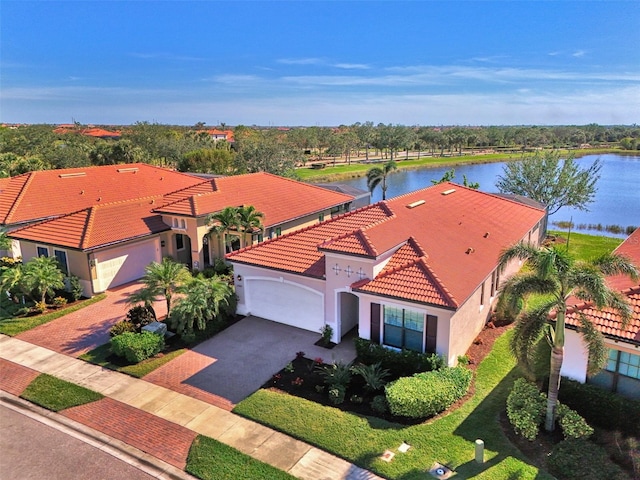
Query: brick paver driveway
[
  {"x": 239, "y": 360},
  {"x": 87, "y": 328}
]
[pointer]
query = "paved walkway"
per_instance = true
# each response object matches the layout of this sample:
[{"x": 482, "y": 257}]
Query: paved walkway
[
  {"x": 135, "y": 409},
  {"x": 87, "y": 328}
]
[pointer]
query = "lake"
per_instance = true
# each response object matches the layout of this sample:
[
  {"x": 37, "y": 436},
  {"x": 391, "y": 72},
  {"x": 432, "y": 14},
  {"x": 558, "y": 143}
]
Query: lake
[{"x": 617, "y": 201}]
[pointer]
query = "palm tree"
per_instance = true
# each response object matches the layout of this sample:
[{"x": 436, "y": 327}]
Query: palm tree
[
  {"x": 554, "y": 273},
  {"x": 249, "y": 220},
  {"x": 5, "y": 242},
  {"x": 163, "y": 279},
  {"x": 42, "y": 275},
  {"x": 376, "y": 175},
  {"x": 146, "y": 297},
  {"x": 202, "y": 303},
  {"x": 224, "y": 221}
]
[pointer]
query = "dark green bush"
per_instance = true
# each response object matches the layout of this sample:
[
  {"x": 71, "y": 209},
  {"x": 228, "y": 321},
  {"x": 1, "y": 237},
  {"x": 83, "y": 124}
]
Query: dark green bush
[
  {"x": 122, "y": 327},
  {"x": 336, "y": 394},
  {"x": 75, "y": 288},
  {"x": 572, "y": 424},
  {"x": 402, "y": 363},
  {"x": 581, "y": 459},
  {"x": 379, "y": 404},
  {"x": 136, "y": 347},
  {"x": 428, "y": 393},
  {"x": 335, "y": 374},
  {"x": 140, "y": 316},
  {"x": 601, "y": 408},
  {"x": 526, "y": 407}
]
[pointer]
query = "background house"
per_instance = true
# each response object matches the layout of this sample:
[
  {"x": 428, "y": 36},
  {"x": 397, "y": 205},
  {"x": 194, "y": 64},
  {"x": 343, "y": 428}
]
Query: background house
[
  {"x": 105, "y": 224},
  {"x": 622, "y": 371},
  {"x": 418, "y": 271}
]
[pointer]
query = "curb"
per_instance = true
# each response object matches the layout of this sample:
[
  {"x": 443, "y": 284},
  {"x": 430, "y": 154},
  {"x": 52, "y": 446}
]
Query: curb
[{"x": 116, "y": 448}]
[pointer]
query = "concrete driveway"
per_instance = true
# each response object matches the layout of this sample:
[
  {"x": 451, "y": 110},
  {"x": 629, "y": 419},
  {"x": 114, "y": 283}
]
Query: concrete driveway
[{"x": 239, "y": 360}]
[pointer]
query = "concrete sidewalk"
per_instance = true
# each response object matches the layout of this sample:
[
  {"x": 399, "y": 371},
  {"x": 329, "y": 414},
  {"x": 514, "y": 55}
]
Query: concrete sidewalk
[{"x": 180, "y": 413}]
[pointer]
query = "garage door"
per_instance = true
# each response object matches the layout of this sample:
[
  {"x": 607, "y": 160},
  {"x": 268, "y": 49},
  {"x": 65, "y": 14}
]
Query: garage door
[
  {"x": 124, "y": 264},
  {"x": 285, "y": 302}
]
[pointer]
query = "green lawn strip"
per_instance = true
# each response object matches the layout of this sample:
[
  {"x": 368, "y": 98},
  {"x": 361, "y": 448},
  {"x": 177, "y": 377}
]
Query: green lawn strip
[
  {"x": 341, "y": 171},
  {"x": 448, "y": 440},
  {"x": 14, "y": 326},
  {"x": 55, "y": 394},
  {"x": 587, "y": 247},
  {"x": 99, "y": 356},
  {"x": 211, "y": 460}
]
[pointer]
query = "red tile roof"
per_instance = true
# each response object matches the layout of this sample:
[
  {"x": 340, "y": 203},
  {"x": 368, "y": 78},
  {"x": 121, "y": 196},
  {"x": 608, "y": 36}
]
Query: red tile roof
[
  {"x": 279, "y": 199},
  {"x": 47, "y": 193},
  {"x": 607, "y": 321},
  {"x": 447, "y": 239},
  {"x": 97, "y": 226}
]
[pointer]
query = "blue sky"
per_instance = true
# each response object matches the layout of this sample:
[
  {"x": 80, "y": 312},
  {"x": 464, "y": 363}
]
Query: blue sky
[{"x": 320, "y": 63}]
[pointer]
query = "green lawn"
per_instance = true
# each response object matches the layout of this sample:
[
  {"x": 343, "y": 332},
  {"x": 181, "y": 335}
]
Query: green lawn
[
  {"x": 587, "y": 247},
  {"x": 14, "y": 326},
  {"x": 211, "y": 460},
  {"x": 55, "y": 394},
  {"x": 448, "y": 440},
  {"x": 99, "y": 356}
]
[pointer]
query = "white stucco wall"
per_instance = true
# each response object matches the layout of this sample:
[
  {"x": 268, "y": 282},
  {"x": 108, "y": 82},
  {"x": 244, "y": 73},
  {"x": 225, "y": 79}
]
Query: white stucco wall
[{"x": 576, "y": 357}]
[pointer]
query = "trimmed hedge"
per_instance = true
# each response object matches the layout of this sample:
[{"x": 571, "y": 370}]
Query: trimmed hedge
[
  {"x": 572, "y": 424},
  {"x": 136, "y": 347},
  {"x": 402, "y": 363},
  {"x": 428, "y": 393},
  {"x": 526, "y": 407},
  {"x": 601, "y": 408},
  {"x": 581, "y": 459}
]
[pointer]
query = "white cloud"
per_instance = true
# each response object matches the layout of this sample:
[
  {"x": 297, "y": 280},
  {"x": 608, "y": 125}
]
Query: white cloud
[{"x": 301, "y": 61}]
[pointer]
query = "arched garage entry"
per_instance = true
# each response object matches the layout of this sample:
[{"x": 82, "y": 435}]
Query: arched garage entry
[
  {"x": 349, "y": 305},
  {"x": 285, "y": 302}
]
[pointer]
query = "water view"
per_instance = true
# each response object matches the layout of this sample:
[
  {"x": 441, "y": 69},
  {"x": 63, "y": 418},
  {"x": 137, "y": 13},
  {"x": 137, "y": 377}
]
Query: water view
[{"x": 617, "y": 201}]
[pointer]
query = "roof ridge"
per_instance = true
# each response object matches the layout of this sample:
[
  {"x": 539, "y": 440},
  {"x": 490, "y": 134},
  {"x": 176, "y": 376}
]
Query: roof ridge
[
  {"x": 20, "y": 196},
  {"x": 129, "y": 200},
  {"x": 52, "y": 219},
  {"x": 422, "y": 261},
  {"x": 88, "y": 226}
]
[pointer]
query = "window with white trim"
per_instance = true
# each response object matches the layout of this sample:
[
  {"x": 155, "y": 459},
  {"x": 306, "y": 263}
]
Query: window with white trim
[
  {"x": 624, "y": 363},
  {"x": 403, "y": 328},
  {"x": 42, "y": 251}
]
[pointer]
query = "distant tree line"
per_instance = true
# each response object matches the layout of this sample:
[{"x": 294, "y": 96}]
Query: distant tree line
[{"x": 279, "y": 150}]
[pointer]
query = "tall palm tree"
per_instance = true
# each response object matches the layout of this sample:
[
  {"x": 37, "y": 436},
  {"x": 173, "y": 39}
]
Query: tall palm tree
[
  {"x": 164, "y": 279},
  {"x": 554, "y": 273},
  {"x": 224, "y": 221},
  {"x": 377, "y": 175},
  {"x": 249, "y": 220}
]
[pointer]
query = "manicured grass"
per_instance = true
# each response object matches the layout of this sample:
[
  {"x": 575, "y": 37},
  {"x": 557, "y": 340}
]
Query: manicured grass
[
  {"x": 14, "y": 326},
  {"x": 587, "y": 247},
  {"x": 55, "y": 394},
  {"x": 211, "y": 460},
  {"x": 100, "y": 355},
  {"x": 448, "y": 440}
]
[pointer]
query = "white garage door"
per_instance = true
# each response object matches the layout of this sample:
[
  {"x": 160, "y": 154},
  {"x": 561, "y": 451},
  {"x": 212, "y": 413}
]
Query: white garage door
[
  {"x": 285, "y": 302},
  {"x": 125, "y": 264}
]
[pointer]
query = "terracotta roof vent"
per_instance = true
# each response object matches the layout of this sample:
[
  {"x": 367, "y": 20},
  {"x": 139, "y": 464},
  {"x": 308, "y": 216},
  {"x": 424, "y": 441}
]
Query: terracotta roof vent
[
  {"x": 72, "y": 175},
  {"x": 486, "y": 235},
  {"x": 81, "y": 192},
  {"x": 415, "y": 204},
  {"x": 449, "y": 192},
  {"x": 127, "y": 170},
  {"x": 470, "y": 250}
]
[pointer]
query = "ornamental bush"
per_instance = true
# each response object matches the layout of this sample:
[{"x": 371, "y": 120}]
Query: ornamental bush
[
  {"x": 122, "y": 327},
  {"x": 581, "y": 459},
  {"x": 136, "y": 347},
  {"x": 429, "y": 393},
  {"x": 526, "y": 408},
  {"x": 572, "y": 424},
  {"x": 403, "y": 363}
]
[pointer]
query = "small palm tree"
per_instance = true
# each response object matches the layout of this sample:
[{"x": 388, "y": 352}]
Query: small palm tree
[
  {"x": 163, "y": 279},
  {"x": 555, "y": 274},
  {"x": 42, "y": 276},
  {"x": 377, "y": 175},
  {"x": 143, "y": 296},
  {"x": 249, "y": 220},
  {"x": 224, "y": 221}
]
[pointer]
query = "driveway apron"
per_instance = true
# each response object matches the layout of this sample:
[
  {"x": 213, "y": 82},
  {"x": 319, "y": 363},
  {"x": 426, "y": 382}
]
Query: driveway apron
[
  {"x": 87, "y": 328},
  {"x": 239, "y": 360}
]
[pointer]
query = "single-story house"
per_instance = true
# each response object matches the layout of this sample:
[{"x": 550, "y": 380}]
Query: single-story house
[
  {"x": 622, "y": 371},
  {"x": 418, "y": 271},
  {"x": 105, "y": 224}
]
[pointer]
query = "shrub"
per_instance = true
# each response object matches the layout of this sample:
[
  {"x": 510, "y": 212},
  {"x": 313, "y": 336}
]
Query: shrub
[
  {"x": 326, "y": 333},
  {"x": 75, "y": 288},
  {"x": 373, "y": 375},
  {"x": 136, "y": 347},
  {"x": 356, "y": 399},
  {"x": 582, "y": 459},
  {"x": 336, "y": 394},
  {"x": 122, "y": 327},
  {"x": 572, "y": 424},
  {"x": 526, "y": 407},
  {"x": 402, "y": 363},
  {"x": 429, "y": 393},
  {"x": 59, "y": 302},
  {"x": 336, "y": 374},
  {"x": 379, "y": 404},
  {"x": 40, "y": 307},
  {"x": 590, "y": 401},
  {"x": 140, "y": 316}
]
